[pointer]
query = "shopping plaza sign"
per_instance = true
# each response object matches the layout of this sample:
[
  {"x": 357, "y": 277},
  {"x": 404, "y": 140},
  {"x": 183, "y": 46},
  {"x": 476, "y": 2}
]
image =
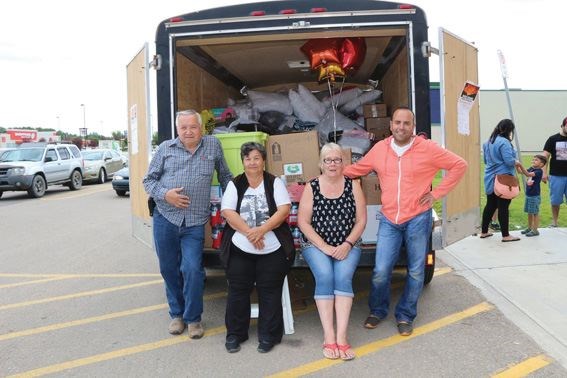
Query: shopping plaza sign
[{"x": 22, "y": 135}]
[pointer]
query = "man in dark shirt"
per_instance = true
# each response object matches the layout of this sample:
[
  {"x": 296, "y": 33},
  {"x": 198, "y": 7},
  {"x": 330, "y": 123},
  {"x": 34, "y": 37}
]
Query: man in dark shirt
[
  {"x": 555, "y": 150},
  {"x": 179, "y": 180}
]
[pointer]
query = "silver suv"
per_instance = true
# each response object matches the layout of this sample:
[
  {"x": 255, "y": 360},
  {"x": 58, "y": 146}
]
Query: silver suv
[{"x": 34, "y": 166}]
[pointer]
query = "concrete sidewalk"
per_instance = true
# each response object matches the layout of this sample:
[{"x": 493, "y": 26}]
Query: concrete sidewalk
[{"x": 526, "y": 280}]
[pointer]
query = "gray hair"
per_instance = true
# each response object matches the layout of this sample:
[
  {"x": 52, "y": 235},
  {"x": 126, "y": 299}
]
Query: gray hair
[
  {"x": 326, "y": 149},
  {"x": 188, "y": 112},
  {"x": 248, "y": 147}
]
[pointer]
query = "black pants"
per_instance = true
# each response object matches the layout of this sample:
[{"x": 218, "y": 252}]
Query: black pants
[
  {"x": 268, "y": 273},
  {"x": 494, "y": 202}
]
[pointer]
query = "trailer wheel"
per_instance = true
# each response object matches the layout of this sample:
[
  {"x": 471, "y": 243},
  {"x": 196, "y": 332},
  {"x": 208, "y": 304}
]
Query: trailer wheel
[{"x": 429, "y": 268}]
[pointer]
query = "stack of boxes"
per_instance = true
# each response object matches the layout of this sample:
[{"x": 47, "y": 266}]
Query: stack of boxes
[{"x": 377, "y": 122}]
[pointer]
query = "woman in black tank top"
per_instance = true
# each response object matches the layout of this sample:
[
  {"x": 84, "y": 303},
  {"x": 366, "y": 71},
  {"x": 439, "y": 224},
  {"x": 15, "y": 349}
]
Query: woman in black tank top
[{"x": 332, "y": 217}]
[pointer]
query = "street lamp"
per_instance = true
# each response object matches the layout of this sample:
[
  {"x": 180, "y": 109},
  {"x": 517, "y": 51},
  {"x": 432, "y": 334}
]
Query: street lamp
[{"x": 83, "y": 130}]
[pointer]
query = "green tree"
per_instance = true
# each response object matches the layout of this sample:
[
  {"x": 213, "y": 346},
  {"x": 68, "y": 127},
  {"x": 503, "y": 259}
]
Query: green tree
[
  {"x": 117, "y": 135},
  {"x": 155, "y": 139},
  {"x": 2, "y": 130}
]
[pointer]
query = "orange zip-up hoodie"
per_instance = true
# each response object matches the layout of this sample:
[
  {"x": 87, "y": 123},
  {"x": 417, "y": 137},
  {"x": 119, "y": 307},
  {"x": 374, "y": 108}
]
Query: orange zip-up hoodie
[{"x": 404, "y": 180}]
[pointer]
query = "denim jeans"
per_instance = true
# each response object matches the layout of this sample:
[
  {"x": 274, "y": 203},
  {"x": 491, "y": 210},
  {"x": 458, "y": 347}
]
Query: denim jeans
[
  {"x": 332, "y": 276},
  {"x": 180, "y": 255},
  {"x": 415, "y": 233}
]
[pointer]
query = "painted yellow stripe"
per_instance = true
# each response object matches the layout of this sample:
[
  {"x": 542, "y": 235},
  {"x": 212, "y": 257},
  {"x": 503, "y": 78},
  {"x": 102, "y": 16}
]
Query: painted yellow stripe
[
  {"x": 115, "y": 354},
  {"x": 33, "y": 282},
  {"x": 525, "y": 367},
  {"x": 213, "y": 273},
  {"x": 81, "y": 294},
  {"x": 76, "y": 194},
  {"x": 364, "y": 294},
  {"x": 388, "y": 342},
  {"x": 79, "y": 322},
  {"x": 152, "y": 346}
]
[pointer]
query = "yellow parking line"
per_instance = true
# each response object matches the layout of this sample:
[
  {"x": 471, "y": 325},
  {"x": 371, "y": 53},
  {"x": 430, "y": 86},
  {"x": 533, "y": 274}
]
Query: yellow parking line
[
  {"x": 114, "y": 354},
  {"x": 79, "y": 322},
  {"x": 81, "y": 294},
  {"x": 525, "y": 367},
  {"x": 76, "y": 194},
  {"x": 218, "y": 330},
  {"x": 43, "y": 280},
  {"x": 157, "y": 345},
  {"x": 384, "y": 343}
]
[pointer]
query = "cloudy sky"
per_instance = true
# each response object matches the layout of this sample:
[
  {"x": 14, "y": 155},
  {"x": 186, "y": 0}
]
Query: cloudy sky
[{"x": 56, "y": 55}]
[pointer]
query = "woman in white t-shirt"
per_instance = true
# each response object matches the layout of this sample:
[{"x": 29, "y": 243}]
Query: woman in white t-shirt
[{"x": 257, "y": 250}]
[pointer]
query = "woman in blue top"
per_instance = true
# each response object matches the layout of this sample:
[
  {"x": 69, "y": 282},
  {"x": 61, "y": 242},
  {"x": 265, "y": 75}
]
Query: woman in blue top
[{"x": 499, "y": 158}]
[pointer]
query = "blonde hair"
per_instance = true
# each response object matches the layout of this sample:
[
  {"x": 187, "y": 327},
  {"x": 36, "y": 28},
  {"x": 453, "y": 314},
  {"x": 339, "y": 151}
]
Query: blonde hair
[{"x": 328, "y": 148}]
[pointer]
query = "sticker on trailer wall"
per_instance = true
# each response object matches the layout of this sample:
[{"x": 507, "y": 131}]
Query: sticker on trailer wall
[
  {"x": 134, "y": 129},
  {"x": 464, "y": 106}
]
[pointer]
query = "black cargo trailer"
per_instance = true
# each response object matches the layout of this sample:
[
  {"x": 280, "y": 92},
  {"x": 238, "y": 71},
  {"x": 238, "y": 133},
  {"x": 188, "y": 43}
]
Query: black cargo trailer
[{"x": 206, "y": 57}]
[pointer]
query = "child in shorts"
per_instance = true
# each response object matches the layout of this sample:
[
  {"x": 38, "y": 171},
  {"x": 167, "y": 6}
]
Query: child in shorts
[{"x": 533, "y": 190}]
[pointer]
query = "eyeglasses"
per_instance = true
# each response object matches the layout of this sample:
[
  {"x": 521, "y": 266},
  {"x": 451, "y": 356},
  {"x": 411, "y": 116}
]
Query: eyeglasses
[{"x": 335, "y": 160}]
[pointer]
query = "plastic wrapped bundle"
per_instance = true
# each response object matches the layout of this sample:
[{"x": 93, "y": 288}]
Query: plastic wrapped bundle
[
  {"x": 365, "y": 98},
  {"x": 339, "y": 99},
  {"x": 301, "y": 109},
  {"x": 344, "y": 124},
  {"x": 266, "y": 101},
  {"x": 311, "y": 101}
]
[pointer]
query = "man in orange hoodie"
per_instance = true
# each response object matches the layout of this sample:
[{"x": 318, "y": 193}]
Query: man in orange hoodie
[{"x": 406, "y": 165}]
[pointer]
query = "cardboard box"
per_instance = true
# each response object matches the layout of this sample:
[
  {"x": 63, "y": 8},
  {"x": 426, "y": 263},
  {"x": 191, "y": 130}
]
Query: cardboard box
[
  {"x": 374, "y": 110},
  {"x": 208, "y": 235},
  {"x": 370, "y": 233},
  {"x": 296, "y": 156},
  {"x": 371, "y": 189},
  {"x": 347, "y": 156},
  {"x": 380, "y": 127}
]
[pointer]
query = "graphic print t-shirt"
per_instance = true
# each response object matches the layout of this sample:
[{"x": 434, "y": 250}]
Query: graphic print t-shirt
[
  {"x": 556, "y": 145},
  {"x": 255, "y": 212},
  {"x": 535, "y": 188}
]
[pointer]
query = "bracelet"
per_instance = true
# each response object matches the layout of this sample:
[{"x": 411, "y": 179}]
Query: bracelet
[{"x": 349, "y": 243}]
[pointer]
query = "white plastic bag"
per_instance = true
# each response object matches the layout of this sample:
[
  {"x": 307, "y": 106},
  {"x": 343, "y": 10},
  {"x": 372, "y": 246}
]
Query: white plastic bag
[
  {"x": 311, "y": 101},
  {"x": 365, "y": 98},
  {"x": 266, "y": 101},
  {"x": 301, "y": 109}
]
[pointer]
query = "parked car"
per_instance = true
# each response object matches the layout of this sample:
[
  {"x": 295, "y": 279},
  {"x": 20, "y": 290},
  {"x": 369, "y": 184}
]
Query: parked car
[
  {"x": 100, "y": 164},
  {"x": 32, "y": 167},
  {"x": 124, "y": 157},
  {"x": 121, "y": 181}
]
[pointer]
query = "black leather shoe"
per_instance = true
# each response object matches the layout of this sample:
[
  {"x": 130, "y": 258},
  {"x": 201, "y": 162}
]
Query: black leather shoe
[
  {"x": 232, "y": 344},
  {"x": 265, "y": 346}
]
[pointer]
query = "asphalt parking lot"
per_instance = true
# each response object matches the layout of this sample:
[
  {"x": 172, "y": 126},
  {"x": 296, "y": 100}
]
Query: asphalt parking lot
[{"x": 81, "y": 297}]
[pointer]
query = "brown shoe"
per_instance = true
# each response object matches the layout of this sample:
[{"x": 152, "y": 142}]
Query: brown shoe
[
  {"x": 371, "y": 321},
  {"x": 196, "y": 330},
  {"x": 177, "y": 326},
  {"x": 405, "y": 328}
]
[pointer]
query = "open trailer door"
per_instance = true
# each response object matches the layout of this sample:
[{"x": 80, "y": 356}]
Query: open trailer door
[
  {"x": 459, "y": 65},
  {"x": 139, "y": 142}
]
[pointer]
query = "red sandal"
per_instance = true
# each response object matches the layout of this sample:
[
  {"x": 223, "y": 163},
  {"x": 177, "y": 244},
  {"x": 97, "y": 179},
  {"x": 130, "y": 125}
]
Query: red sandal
[
  {"x": 344, "y": 348},
  {"x": 334, "y": 347}
]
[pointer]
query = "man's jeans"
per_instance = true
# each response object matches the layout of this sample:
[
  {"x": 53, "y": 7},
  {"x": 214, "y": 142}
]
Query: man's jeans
[
  {"x": 415, "y": 233},
  {"x": 180, "y": 255}
]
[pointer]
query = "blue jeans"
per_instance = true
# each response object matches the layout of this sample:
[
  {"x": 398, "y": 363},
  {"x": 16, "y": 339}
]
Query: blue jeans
[
  {"x": 180, "y": 255},
  {"x": 332, "y": 277},
  {"x": 415, "y": 233}
]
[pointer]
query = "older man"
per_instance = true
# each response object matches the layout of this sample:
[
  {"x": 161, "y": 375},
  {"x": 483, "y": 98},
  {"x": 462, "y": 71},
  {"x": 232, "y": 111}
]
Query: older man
[{"x": 179, "y": 180}]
